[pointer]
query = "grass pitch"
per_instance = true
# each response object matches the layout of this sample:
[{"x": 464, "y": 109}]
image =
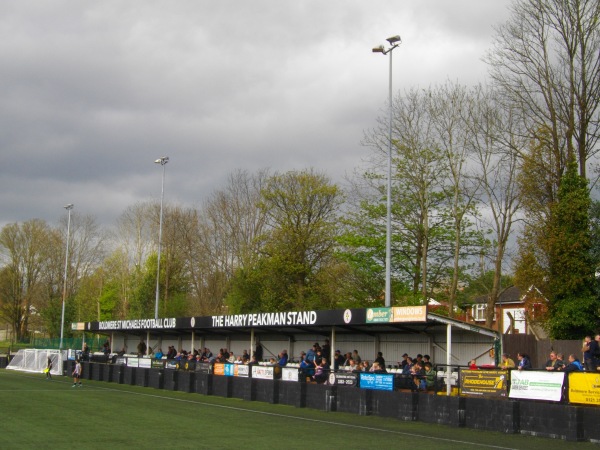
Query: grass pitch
[{"x": 35, "y": 413}]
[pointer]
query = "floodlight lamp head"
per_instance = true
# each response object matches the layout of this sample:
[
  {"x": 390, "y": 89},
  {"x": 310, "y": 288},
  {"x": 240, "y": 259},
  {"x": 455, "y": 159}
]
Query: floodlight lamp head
[
  {"x": 379, "y": 49},
  {"x": 162, "y": 161},
  {"x": 69, "y": 206},
  {"x": 394, "y": 40}
]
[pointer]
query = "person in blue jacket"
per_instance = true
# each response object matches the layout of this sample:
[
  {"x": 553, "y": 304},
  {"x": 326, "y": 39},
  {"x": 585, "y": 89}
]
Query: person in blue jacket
[{"x": 524, "y": 362}]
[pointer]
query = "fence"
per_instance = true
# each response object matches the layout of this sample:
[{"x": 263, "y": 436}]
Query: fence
[{"x": 539, "y": 350}]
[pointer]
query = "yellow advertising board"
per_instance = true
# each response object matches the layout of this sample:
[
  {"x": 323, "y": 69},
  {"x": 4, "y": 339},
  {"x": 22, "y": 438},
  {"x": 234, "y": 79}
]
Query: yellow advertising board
[
  {"x": 584, "y": 388},
  {"x": 486, "y": 383}
]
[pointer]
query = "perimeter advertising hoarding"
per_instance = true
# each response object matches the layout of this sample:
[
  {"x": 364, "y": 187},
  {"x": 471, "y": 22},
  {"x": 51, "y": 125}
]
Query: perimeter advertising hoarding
[
  {"x": 484, "y": 383},
  {"x": 377, "y": 381},
  {"x": 290, "y": 374},
  {"x": 203, "y": 367},
  {"x": 158, "y": 364},
  {"x": 237, "y": 370},
  {"x": 264, "y": 372},
  {"x": 584, "y": 388},
  {"x": 133, "y": 362},
  {"x": 343, "y": 379},
  {"x": 146, "y": 363},
  {"x": 536, "y": 385}
]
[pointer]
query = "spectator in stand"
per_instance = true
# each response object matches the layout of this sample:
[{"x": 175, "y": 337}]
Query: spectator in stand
[
  {"x": 311, "y": 353},
  {"x": 319, "y": 356},
  {"x": 430, "y": 376},
  {"x": 553, "y": 363},
  {"x": 231, "y": 358},
  {"x": 524, "y": 361},
  {"x": 365, "y": 366},
  {"x": 253, "y": 361},
  {"x": 507, "y": 362},
  {"x": 258, "y": 352},
  {"x": 590, "y": 353},
  {"x": 220, "y": 358},
  {"x": 473, "y": 365},
  {"x": 326, "y": 349},
  {"x": 245, "y": 355},
  {"x": 406, "y": 370},
  {"x": 339, "y": 360},
  {"x": 573, "y": 366},
  {"x": 141, "y": 348},
  {"x": 356, "y": 357},
  {"x": 321, "y": 372},
  {"x": 418, "y": 374},
  {"x": 106, "y": 348},
  {"x": 402, "y": 364},
  {"x": 171, "y": 353},
  {"x": 426, "y": 359},
  {"x": 307, "y": 368},
  {"x": 347, "y": 359},
  {"x": 377, "y": 368},
  {"x": 283, "y": 358},
  {"x": 380, "y": 359},
  {"x": 420, "y": 360},
  {"x": 207, "y": 354},
  {"x": 353, "y": 367}
]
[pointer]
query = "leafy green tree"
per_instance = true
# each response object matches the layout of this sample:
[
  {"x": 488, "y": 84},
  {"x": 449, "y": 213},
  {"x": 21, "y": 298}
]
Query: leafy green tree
[
  {"x": 433, "y": 207},
  {"x": 297, "y": 248},
  {"x": 574, "y": 307}
]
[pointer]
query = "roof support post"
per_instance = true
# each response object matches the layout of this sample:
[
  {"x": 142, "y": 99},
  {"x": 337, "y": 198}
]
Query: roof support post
[
  {"x": 448, "y": 359},
  {"x": 332, "y": 349}
]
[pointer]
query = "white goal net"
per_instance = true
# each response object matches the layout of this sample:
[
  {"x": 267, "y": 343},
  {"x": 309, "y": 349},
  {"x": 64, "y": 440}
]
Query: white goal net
[{"x": 36, "y": 360}]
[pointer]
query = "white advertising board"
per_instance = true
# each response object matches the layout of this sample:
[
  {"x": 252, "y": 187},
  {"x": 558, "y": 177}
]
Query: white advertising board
[{"x": 534, "y": 385}]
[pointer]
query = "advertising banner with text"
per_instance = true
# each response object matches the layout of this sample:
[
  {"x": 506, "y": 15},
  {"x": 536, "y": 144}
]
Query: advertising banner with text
[
  {"x": 377, "y": 381},
  {"x": 484, "y": 383},
  {"x": 536, "y": 385},
  {"x": 584, "y": 388}
]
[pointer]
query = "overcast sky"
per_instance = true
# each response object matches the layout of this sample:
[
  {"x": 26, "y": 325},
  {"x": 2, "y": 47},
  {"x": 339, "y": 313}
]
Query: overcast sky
[{"x": 94, "y": 91}]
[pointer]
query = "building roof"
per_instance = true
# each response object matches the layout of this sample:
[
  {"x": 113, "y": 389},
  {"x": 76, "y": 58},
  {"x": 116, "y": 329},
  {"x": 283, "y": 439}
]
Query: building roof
[
  {"x": 411, "y": 320},
  {"x": 511, "y": 295}
]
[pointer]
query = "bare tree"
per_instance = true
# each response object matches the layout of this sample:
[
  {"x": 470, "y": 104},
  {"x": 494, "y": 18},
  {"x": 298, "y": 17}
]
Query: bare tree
[
  {"x": 449, "y": 105},
  {"x": 545, "y": 60},
  {"x": 495, "y": 147},
  {"x": 224, "y": 238},
  {"x": 25, "y": 255}
]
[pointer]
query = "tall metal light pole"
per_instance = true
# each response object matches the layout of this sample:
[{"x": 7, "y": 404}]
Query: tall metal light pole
[
  {"x": 394, "y": 42},
  {"x": 162, "y": 161},
  {"x": 68, "y": 207}
]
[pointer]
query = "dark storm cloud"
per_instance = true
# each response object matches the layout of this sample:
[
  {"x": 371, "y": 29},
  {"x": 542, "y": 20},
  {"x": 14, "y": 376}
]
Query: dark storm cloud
[{"x": 93, "y": 92}]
